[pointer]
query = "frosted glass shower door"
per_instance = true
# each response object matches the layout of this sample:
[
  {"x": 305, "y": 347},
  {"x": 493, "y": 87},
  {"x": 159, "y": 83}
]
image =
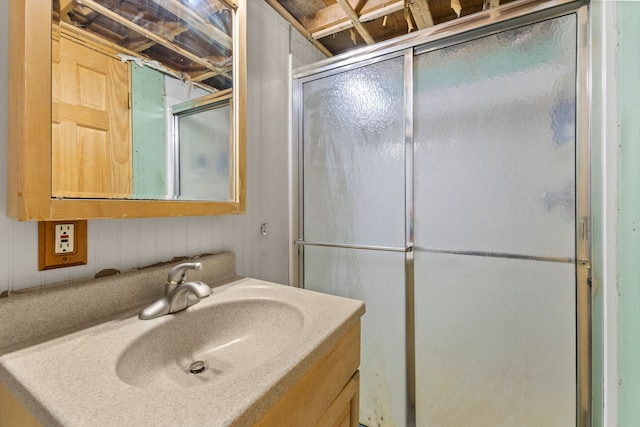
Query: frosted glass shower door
[
  {"x": 354, "y": 198},
  {"x": 495, "y": 271}
]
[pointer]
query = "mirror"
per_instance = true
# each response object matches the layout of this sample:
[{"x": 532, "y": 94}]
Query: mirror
[
  {"x": 176, "y": 69},
  {"x": 119, "y": 70},
  {"x": 201, "y": 135}
]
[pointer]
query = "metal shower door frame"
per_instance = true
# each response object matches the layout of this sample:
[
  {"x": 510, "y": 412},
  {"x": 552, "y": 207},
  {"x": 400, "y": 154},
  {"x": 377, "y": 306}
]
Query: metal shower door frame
[{"x": 503, "y": 18}]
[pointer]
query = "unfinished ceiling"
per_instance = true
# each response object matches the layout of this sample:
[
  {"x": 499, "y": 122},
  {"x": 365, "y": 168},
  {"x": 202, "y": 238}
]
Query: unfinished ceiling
[
  {"x": 337, "y": 26},
  {"x": 192, "y": 40}
]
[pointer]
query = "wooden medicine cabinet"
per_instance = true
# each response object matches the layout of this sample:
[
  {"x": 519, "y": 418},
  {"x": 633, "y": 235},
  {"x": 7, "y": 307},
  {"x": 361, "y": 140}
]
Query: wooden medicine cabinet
[{"x": 43, "y": 167}]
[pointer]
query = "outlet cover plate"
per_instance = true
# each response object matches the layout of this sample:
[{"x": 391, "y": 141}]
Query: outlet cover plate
[
  {"x": 63, "y": 238},
  {"x": 48, "y": 259}
]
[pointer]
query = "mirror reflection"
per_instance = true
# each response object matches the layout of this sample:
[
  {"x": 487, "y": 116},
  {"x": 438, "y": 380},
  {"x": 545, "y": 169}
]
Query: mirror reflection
[
  {"x": 201, "y": 142},
  {"x": 143, "y": 99}
]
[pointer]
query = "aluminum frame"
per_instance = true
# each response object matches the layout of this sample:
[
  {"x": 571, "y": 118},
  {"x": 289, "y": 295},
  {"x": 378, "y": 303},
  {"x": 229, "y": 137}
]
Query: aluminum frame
[
  {"x": 583, "y": 223},
  {"x": 409, "y": 285}
]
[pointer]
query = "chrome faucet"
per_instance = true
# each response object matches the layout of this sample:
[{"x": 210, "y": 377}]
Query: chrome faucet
[
  {"x": 178, "y": 273},
  {"x": 178, "y": 294}
]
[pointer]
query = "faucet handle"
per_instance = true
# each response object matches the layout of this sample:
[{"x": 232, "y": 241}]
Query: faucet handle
[{"x": 177, "y": 274}]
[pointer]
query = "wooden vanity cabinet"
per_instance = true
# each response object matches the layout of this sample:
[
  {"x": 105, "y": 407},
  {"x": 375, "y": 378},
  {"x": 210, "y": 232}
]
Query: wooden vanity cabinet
[
  {"x": 344, "y": 411},
  {"x": 327, "y": 395},
  {"x": 12, "y": 413}
]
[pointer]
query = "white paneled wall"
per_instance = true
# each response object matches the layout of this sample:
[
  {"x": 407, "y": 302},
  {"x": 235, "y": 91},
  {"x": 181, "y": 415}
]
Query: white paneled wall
[{"x": 126, "y": 244}]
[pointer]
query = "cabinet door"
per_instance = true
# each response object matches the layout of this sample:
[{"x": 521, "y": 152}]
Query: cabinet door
[
  {"x": 91, "y": 143},
  {"x": 344, "y": 411},
  {"x": 12, "y": 413}
]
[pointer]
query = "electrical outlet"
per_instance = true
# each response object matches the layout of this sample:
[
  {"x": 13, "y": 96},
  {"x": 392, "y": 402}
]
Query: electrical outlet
[
  {"x": 62, "y": 244},
  {"x": 64, "y": 239}
]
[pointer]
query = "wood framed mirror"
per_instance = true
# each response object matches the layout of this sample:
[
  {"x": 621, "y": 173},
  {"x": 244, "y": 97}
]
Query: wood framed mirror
[{"x": 31, "y": 192}]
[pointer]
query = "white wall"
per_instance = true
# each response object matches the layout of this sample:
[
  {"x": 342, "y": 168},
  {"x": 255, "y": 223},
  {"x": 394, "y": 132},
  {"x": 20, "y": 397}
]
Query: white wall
[{"x": 126, "y": 244}]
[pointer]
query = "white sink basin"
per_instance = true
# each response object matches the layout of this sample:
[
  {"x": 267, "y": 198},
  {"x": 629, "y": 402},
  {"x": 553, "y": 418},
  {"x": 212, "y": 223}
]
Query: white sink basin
[
  {"x": 256, "y": 338},
  {"x": 229, "y": 337}
]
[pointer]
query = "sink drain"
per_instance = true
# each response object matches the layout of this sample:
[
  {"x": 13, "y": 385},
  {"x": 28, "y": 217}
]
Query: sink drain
[{"x": 197, "y": 367}]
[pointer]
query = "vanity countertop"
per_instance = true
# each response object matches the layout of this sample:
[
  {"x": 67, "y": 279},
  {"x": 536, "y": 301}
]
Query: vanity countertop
[{"x": 76, "y": 379}]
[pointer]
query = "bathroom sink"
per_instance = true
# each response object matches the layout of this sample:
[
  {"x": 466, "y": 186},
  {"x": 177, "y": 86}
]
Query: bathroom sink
[
  {"x": 255, "y": 338},
  {"x": 197, "y": 347}
]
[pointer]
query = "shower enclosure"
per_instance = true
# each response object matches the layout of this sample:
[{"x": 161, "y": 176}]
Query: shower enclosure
[{"x": 443, "y": 179}]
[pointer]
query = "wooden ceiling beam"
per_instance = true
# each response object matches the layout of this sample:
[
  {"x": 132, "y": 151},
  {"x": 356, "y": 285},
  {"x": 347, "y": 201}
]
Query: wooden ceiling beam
[
  {"x": 298, "y": 26},
  {"x": 204, "y": 76},
  {"x": 325, "y": 17},
  {"x": 196, "y": 21},
  {"x": 95, "y": 42},
  {"x": 490, "y": 4},
  {"x": 333, "y": 19},
  {"x": 421, "y": 13},
  {"x": 355, "y": 19},
  {"x": 65, "y": 7},
  {"x": 152, "y": 36},
  {"x": 172, "y": 35}
]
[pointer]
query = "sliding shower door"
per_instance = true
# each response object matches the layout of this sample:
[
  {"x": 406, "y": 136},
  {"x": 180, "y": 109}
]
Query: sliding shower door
[
  {"x": 445, "y": 183},
  {"x": 495, "y": 209},
  {"x": 354, "y": 217}
]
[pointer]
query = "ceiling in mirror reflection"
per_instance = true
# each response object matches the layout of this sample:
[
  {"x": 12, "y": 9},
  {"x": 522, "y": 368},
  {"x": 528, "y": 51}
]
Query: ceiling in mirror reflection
[{"x": 191, "y": 39}]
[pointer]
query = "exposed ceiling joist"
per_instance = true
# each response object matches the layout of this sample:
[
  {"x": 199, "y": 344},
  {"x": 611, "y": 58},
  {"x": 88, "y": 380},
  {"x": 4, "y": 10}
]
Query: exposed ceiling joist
[
  {"x": 173, "y": 34},
  {"x": 333, "y": 19},
  {"x": 113, "y": 49},
  {"x": 490, "y": 4},
  {"x": 152, "y": 36},
  {"x": 66, "y": 6},
  {"x": 421, "y": 13},
  {"x": 333, "y": 23},
  {"x": 355, "y": 20},
  {"x": 196, "y": 21},
  {"x": 297, "y": 25}
]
